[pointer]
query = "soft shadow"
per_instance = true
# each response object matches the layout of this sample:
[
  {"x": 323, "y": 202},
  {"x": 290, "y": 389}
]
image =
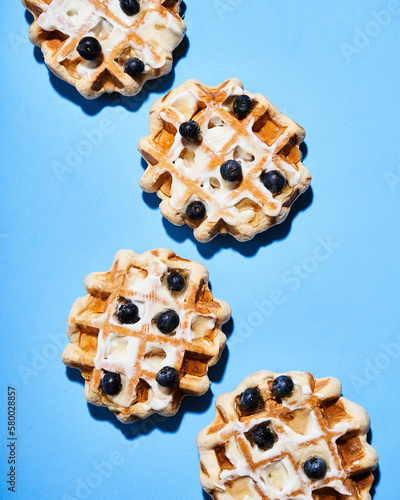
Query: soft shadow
[
  {"x": 249, "y": 248},
  {"x": 303, "y": 150},
  {"x": 29, "y": 17},
  {"x": 151, "y": 201},
  {"x": 182, "y": 10},
  {"x": 94, "y": 106},
  {"x": 38, "y": 55},
  {"x": 206, "y": 496},
  {"x": 195, "y": 404},
  {"x": 216, "y": 372},
  {"x": 75, "y": 375},
  {"x": 228, "y": 327},
  {"x": 377, "y": 472},
  {"x": 377, "y": 477},
  {"x": 144, "y": 163},
  {"x": 139, "y": 428}
]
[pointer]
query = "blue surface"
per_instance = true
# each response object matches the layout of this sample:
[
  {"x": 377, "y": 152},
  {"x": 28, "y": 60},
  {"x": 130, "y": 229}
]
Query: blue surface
[{"x": 67, "y": 210}]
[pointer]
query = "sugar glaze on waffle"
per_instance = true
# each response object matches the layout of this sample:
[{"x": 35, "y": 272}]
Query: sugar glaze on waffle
[
  {"x": 100, "y": 343},
  {"x": 314, "y": 421},
  {"x": 151, "y": 35},
  {"x": 182, "y": 171}
]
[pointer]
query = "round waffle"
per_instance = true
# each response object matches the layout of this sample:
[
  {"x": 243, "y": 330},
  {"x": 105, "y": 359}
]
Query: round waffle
[
  {"x": 104, "y": 342},
  {"x": 149, "y": 35},
  {"x": 312, "y": 423},
  {"x": 183, "y": 171}
]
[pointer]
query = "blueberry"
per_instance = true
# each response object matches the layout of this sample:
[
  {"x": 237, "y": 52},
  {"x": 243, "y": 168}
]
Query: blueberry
[
  {"x": 130, "y": 7},
  {"x": 189, "y": 130},
  {"x": 273, "y": 181},
  {"x": 128, "y": 313},
  {"x": 134, "y": 66},
  {"x": 315, "y": 468},
  {"x": 167, "y": 376},
  {"x": 242, "y": 106},
  {"x": 196, "y": 210},
  {"x": 111, "y": 383},
  {"x": 176, "y": 282},
  {"x": 282, "y": 386},
  {"x": 167, "y": 321},
  {"x": 250, "y": 399},
  {"x": 231, "y": 171},
  {"x": 263, "y": 437},
  {"x": 89, "y": 48}
]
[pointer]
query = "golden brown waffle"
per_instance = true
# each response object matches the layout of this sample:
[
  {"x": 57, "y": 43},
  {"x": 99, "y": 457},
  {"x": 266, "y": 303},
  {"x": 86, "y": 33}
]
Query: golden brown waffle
[
  {"x": 100, "y": 343},
  {"x": 314, "y": 421},
  {"x": 151, "y": 36},
  {"x": 182, "y": 171}
]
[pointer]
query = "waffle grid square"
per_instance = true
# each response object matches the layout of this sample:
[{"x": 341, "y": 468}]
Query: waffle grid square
[
  {"x": 314, "y": 421},
  {"x": 100, "y": 343},
  {"x": 182, "y": 171}
]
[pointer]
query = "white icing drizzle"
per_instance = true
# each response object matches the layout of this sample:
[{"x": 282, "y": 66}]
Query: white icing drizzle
[
  {"x": 279, "y": 480},
  {"x": 156, "y": 33},
  {"x": 120, "y": 352},
  {"x": 220, "y": 196}
]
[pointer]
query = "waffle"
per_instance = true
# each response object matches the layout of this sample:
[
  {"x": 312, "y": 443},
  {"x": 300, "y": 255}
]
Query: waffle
[
  {"x": 100, "y": 343},
  {"x": 314, "y": 421},
  {"x": 150, "y": 35},
  {"x": 182, "y": 171}
]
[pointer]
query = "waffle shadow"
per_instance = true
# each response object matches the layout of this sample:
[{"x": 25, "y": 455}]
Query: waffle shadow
[
  {"x": 206, "y": 496},
  {"x": 195, "y": 404},
  {"x": 74, "y": 375},
  {"x": 248, "y": 248},
  {"x": 377, "y": 472},
  {"x": 164, "y": 424}
]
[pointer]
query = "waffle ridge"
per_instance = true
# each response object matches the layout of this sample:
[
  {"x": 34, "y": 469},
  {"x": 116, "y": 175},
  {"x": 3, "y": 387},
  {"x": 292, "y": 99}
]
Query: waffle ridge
[
  {"x": 182, "y": 171},
  {"x": 100, "y": 343},
  {"x": 314, "y": 421}
]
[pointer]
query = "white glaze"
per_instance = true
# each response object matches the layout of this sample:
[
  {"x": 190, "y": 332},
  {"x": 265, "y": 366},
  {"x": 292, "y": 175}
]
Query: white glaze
[
  {"x": 251, "y": 152},
  {"x": 79, "y": 18},
  {"x": 119, "y": 353},
  {"x": 284, "y": 479}
]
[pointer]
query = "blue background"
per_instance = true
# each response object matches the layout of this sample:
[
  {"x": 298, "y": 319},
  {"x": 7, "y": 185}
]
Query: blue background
[{"x": 68, "y": 207}]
